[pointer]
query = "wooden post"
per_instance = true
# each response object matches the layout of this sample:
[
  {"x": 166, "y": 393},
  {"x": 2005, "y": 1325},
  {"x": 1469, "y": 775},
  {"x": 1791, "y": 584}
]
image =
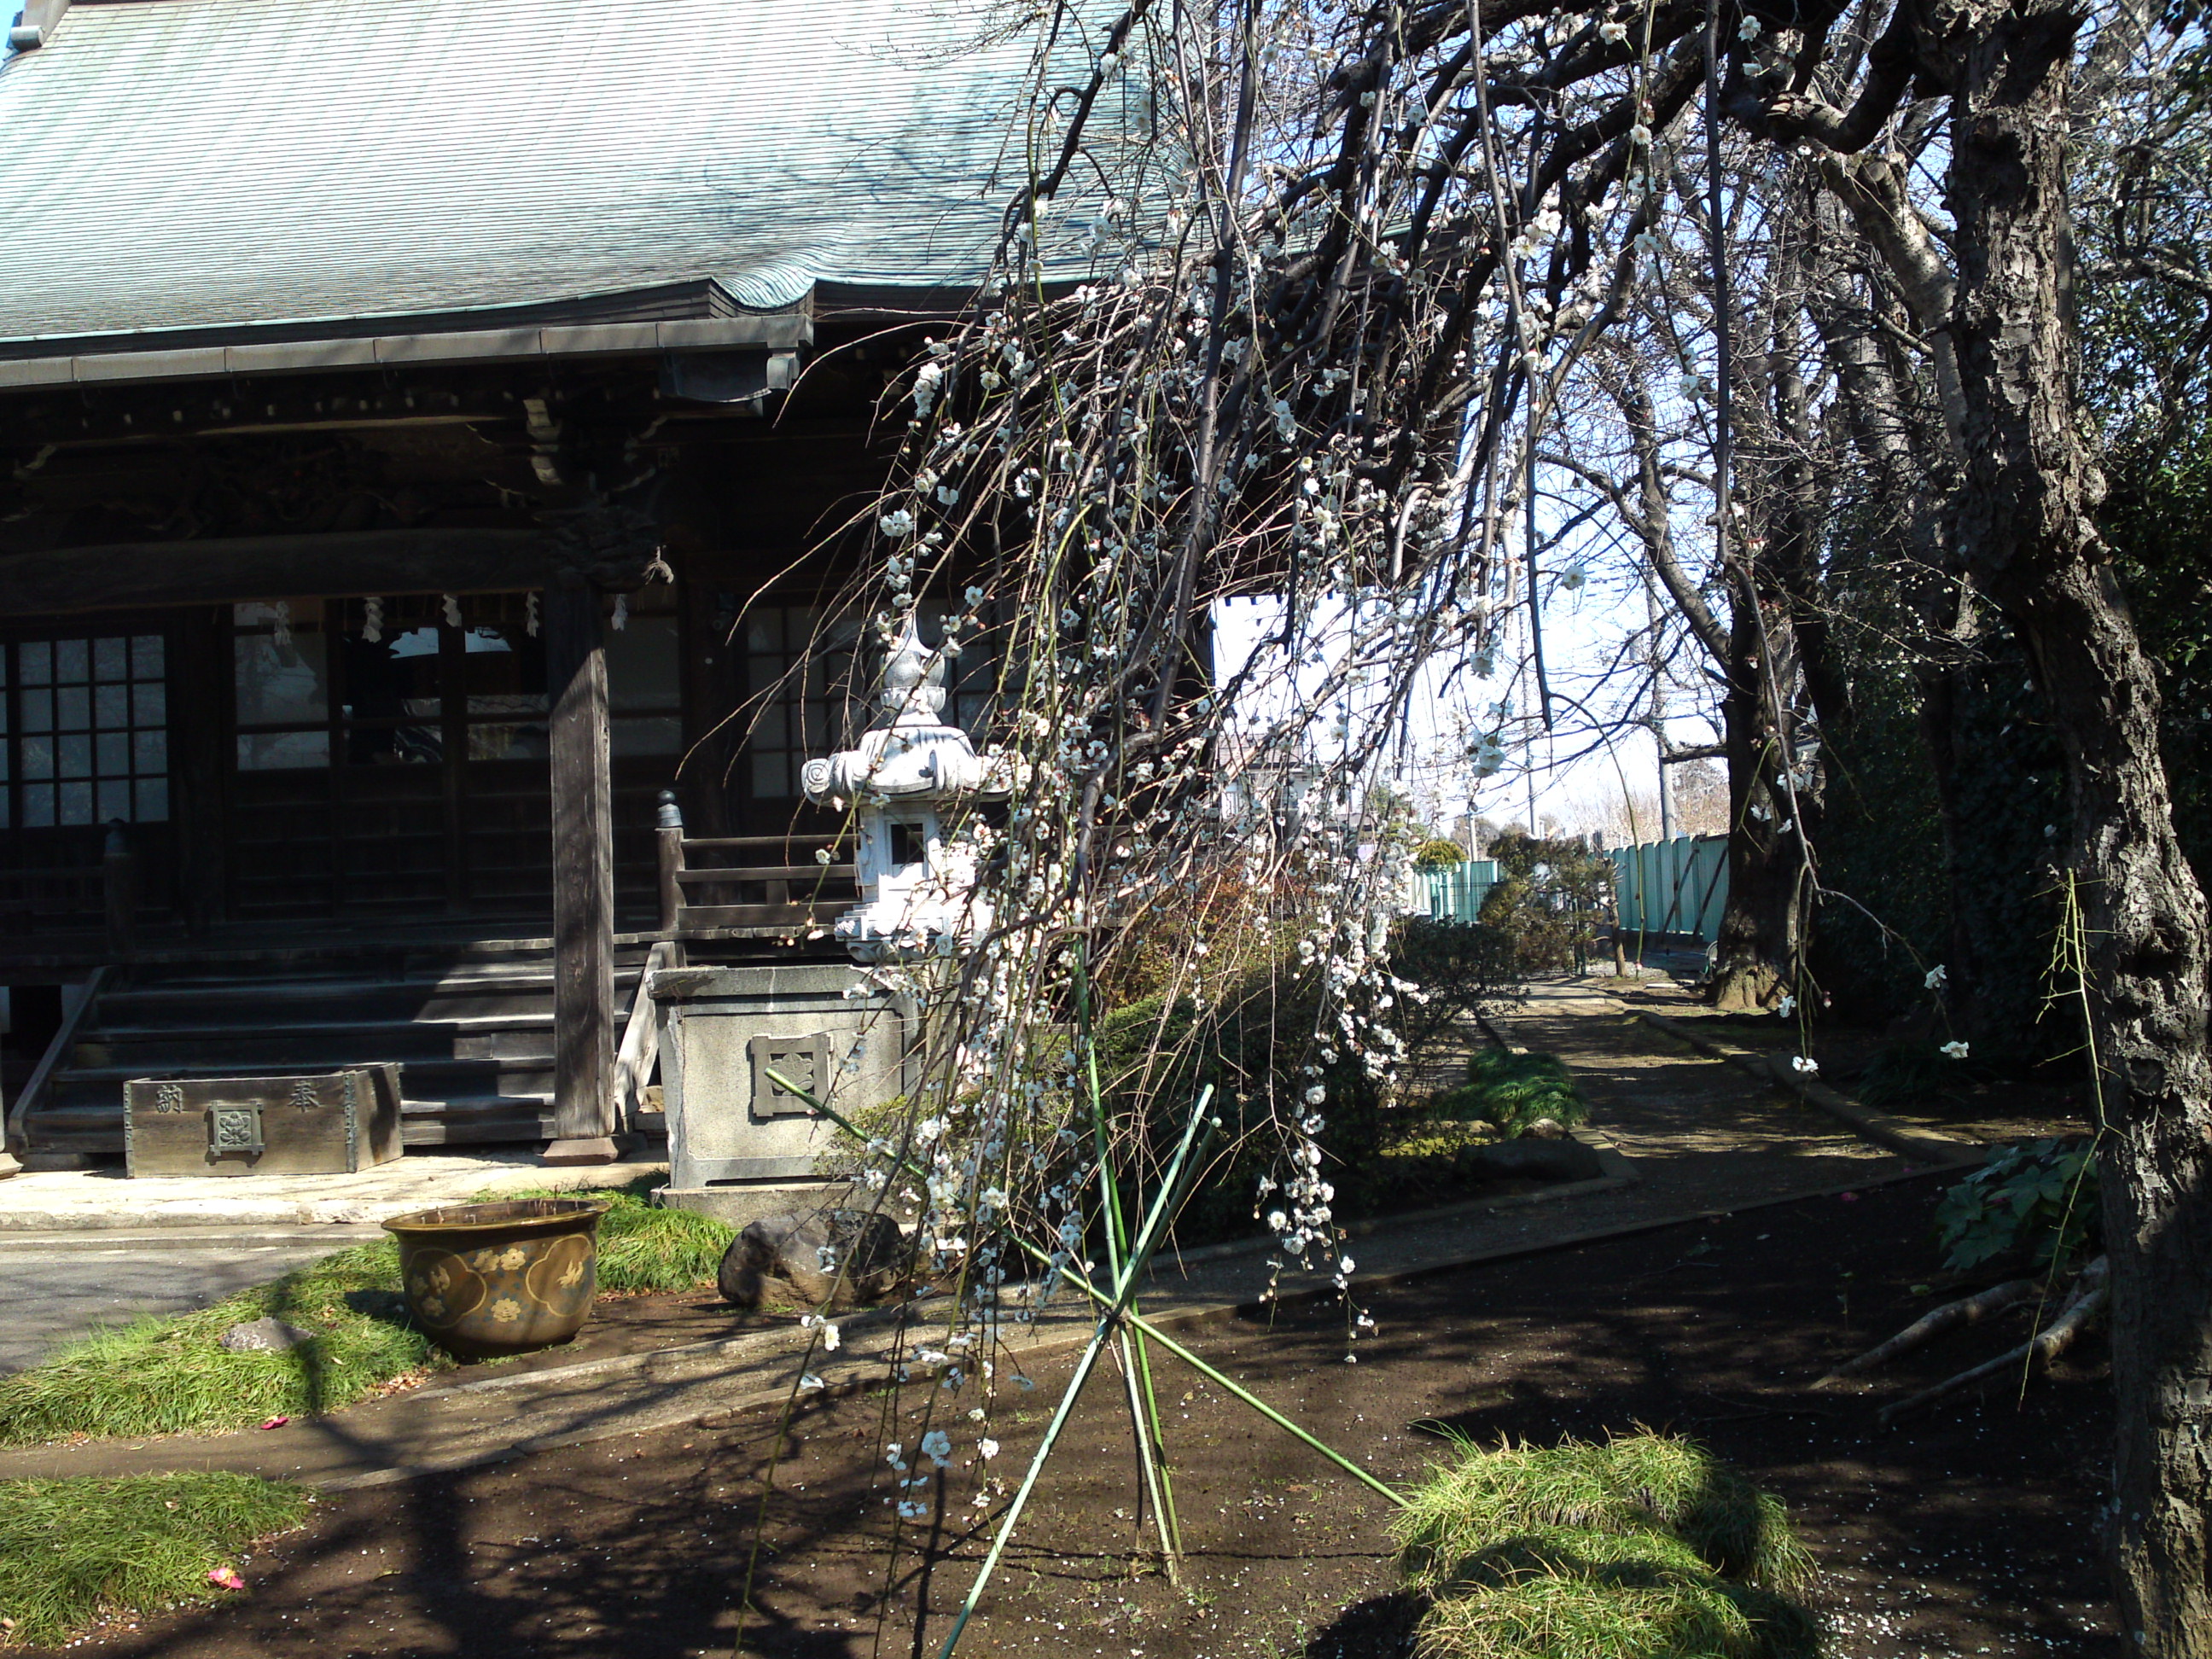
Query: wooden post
[
  {"x": 583, "y": 880},
  {"x": 669, "y": 833},
  {"x": 119, "y": 874},
  {"x": 199, "y": 685}
]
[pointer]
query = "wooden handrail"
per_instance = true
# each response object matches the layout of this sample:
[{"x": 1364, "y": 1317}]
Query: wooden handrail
[
  {"x": 50, "y": 1062},
  {"x": 744, "y": 843},
  {"x": 723, "y": 872},
  {"x": 682, "y": 918}
]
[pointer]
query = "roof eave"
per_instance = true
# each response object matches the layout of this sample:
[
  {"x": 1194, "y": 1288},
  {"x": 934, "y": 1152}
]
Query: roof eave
[{"x": 785, "y": 331}]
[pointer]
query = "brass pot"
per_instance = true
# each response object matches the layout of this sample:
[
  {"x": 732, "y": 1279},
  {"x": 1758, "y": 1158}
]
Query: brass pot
[{"x": 486, "y": 1280}]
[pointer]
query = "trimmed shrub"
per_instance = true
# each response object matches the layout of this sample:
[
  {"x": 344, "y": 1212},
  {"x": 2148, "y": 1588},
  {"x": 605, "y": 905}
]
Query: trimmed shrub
[{"x": 1648, "y": 1548}]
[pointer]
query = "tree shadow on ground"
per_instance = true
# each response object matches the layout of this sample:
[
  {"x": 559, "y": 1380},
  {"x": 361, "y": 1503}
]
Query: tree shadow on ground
[{"x": 1380, "y": 1627}]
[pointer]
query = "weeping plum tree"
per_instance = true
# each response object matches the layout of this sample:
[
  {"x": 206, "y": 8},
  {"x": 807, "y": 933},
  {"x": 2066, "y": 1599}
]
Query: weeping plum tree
[{"x": 1285, "y": 308}]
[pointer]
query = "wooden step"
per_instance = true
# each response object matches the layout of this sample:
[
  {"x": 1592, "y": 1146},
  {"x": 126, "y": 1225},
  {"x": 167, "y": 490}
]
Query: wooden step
[
  {"x": 460, "y": 996},
  {"x": 110, "y": 1077},
  {"x": 310, "y": 1047},
  {"x": 473, "y": 1037}
]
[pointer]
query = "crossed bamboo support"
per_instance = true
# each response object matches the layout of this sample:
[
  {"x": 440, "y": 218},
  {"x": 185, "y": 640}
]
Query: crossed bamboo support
[{"x": 1118, "y": 1320}]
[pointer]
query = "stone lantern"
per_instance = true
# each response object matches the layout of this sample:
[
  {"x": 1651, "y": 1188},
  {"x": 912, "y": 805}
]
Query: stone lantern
[
  {"x": 742, "y": 1145},
  {"x": 900, "y": 781}
]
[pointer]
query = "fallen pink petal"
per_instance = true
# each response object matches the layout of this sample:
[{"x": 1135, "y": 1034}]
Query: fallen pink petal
[{"x": 226, "y": 1578}]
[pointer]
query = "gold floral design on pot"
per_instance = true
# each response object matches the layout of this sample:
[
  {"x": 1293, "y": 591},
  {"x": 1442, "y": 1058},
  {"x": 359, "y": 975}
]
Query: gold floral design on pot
[
  {"x": 442, "y": 1289},
  {"x": 565, "y": 1275}
]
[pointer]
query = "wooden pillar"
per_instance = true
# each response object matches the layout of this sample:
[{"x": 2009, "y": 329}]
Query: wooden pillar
[
  {"x": 583, "y": 880},
  {"x": 199, "y": 692},
  {"x": 118, "y": 880}
]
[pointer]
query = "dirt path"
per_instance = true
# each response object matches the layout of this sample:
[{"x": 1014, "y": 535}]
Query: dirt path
[
  {"x": 1967, "y": 1531},
  {"x": 1991, "y": 1112},
  {"x": 1692, "y": 1126},
  {"x": 1684, "y": 1115}
]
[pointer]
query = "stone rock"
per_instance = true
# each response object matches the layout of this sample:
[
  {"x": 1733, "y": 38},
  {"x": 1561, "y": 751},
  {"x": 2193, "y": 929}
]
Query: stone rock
[
  {"x": 808, "y": 1252},
  {"x": 1545, "y": 1128},
  {"x": 269, "y": 1336},
  {"x": 1565, "y": 1159}
]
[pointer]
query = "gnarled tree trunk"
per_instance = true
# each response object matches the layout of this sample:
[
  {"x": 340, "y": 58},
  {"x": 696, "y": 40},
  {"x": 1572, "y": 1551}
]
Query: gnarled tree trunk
[
  {"x": 2024, "y": 530},
  {"x": 1761, "y": 940}
]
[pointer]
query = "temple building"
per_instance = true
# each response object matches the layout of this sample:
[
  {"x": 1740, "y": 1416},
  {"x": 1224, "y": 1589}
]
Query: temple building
[{"x": 429, "y": 438}]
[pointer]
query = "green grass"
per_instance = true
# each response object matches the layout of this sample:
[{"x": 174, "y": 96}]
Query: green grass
[
  {"x": 643, "y": 1247},
  {"x": 1511, "y": 1091},
  {"x": 170, "y": 1375},
  {"x": 74, "y": 1551},
  {"x": 1645, "y": 1548}
]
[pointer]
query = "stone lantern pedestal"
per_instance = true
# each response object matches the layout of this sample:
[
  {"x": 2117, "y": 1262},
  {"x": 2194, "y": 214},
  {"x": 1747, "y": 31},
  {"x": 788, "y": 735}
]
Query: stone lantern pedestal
[{"x": 739, "y": 1146}]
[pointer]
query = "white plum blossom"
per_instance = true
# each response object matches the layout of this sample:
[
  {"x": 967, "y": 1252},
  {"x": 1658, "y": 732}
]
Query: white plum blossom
[
  {"x": 1937, "y": 978},
  {"x": 927, "y": 380},
  {"x": 1804, "y": 1064},
  {"x": 1955, "y": 1050}
]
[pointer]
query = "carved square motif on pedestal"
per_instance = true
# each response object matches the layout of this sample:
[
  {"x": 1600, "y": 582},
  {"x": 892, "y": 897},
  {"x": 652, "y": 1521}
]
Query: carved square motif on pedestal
[{"x": 805, "y": 1060}]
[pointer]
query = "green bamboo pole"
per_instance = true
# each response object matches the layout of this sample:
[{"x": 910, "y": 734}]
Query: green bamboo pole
[
  {"x": 1136, "y": 1360},
  {"x": 1228, "y": 1385}
]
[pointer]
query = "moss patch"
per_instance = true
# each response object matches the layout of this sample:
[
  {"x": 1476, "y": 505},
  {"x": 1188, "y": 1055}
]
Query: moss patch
[
  {"x": 172, "y": 1376},
  {"x": 1510, "y": 1091}
]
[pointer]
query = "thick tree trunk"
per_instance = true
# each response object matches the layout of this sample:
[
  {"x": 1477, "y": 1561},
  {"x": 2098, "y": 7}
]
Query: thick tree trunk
[
  {"x": 1776, "y": 614},
  {"x": 2026, "y": 532},
  {"x": 1910, "y": 463},
  {"x": 1762, "y": 932}
]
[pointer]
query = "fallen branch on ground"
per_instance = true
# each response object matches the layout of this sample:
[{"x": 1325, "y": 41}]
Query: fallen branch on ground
[
  {"x": 1966, "y": 1310},
  {"x": 2036, "y": 1354}
]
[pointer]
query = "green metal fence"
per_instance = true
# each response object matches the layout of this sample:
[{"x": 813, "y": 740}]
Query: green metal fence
[
  {"x": 1455, "y": 891},
  {"x": 1672, "y": 887}
]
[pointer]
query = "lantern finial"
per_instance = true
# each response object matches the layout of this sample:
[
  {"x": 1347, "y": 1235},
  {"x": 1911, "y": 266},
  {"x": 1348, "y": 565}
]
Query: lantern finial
[{"x": 914, "y": 680}]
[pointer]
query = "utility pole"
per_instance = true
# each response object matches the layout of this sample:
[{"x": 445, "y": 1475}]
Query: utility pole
[{"x": 1659, "y": 711}]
